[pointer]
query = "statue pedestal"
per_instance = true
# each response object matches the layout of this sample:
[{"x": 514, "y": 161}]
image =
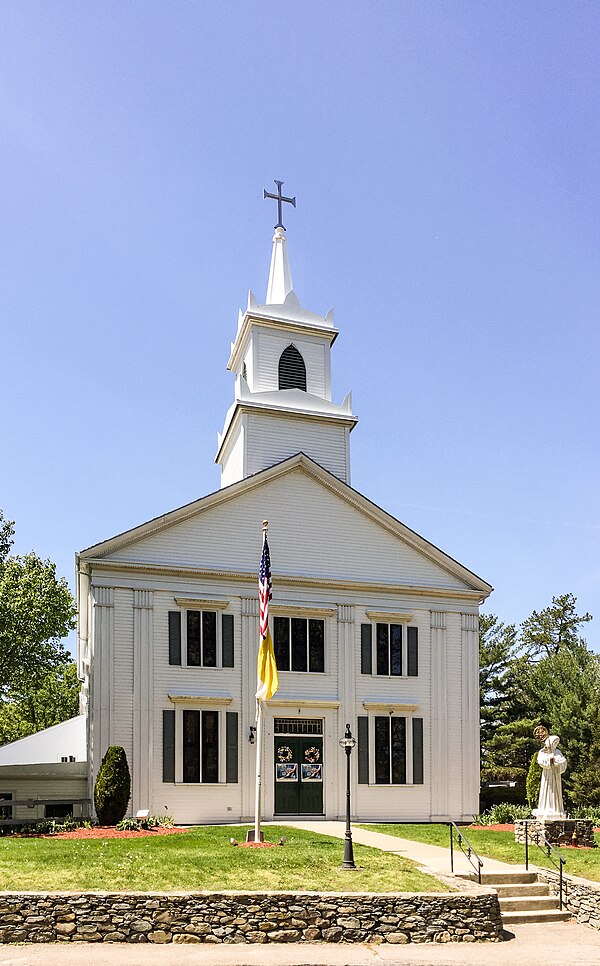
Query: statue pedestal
[{"x": 557, "y": 831}]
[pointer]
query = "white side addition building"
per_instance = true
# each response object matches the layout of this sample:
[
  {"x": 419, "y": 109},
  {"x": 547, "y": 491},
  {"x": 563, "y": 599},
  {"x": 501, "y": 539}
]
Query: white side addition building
[{"x": 371, "y": 624}]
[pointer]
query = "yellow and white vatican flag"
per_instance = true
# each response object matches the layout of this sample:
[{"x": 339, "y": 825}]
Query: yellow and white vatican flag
[{"x": 266, "y": 672}]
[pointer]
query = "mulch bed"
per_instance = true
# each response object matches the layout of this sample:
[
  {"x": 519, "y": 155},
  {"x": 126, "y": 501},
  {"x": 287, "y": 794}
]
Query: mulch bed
[{"x": 109, "y": 832}]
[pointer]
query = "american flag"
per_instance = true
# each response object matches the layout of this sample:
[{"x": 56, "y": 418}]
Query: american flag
[{"x": 265, "y": 588}]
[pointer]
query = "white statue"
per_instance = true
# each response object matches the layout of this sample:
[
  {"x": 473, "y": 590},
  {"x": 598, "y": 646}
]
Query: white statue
[{"x": 553, "y": 763}]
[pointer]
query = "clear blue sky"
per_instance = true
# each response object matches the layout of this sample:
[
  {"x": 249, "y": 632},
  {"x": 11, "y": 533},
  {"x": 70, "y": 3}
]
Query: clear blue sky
[{"x": 445, "y": 160}]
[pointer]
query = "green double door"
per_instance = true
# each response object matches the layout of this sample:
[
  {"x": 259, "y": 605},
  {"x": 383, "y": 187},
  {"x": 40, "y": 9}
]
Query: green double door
[{"x": 298, "y": 770}]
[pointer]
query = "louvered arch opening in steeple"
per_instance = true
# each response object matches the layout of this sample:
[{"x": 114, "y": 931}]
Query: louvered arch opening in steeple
[{"x": 292, "y": 371}]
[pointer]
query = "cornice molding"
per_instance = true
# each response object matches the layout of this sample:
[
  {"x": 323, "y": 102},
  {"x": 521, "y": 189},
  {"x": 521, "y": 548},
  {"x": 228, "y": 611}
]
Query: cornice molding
[
  {"x": 101, "y": 564},
  {"x": 390, "y": 706},
  {"x": 201, "y": 603},
  {"x": 204, "y": 699},
  {"x": 389, "y": 615}
]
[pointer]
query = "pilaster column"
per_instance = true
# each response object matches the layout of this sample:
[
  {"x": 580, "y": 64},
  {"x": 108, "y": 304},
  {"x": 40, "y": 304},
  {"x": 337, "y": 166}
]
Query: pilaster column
[
  {"x": 470, "y": 712},
  {"x": 143, "y": 700},
  {"x": 101, "y": 697},
  {"x": 439, "y": 715},
  {"x": 248, "y": 715},
  {"x": 347, "y": 712}
]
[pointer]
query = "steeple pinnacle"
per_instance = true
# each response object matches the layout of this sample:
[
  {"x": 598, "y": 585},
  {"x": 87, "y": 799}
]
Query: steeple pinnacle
[{"x": 280, "y": 273}]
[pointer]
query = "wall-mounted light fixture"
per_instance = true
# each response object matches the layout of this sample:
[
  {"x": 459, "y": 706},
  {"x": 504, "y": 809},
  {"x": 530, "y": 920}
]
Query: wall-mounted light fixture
[{"x": 252, "y": 735}]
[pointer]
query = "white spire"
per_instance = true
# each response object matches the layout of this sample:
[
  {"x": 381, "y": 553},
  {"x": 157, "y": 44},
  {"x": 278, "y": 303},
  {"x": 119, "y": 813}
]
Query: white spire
[{"x": 280, "y": 274}]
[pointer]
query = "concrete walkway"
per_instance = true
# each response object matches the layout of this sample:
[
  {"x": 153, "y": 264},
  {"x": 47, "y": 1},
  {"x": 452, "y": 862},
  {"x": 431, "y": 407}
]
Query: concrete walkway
[
  {"x": 533, "y": 945},
  {"x": 432, "y": 857}
]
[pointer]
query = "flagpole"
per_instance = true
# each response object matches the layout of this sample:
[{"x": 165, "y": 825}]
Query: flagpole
[
  {"x": 257, "y": 804},
  {"x": 259, "y": 743}
]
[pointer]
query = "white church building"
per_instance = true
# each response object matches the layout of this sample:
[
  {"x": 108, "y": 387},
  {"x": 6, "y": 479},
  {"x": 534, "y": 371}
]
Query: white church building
[{"x": 372, "y": 624}]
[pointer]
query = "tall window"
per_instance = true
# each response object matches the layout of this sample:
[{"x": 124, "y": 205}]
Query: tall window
[
  {"x": 202, "y": 638},
  {"x": 292, "y": 371},
  {"x": 201, "y": 746},
  {"x": 299, "y": 644},
  {"x": 396, "y": 649},
  {"x": 390, "y": 750}
]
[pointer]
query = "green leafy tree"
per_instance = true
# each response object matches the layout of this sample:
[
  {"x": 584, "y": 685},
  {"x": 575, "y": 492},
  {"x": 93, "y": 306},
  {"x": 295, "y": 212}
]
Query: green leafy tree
[
  {"x": 36, "y": 610},
  {"x": 55, "y": 700},
  {"x": 113, "y": 786}
]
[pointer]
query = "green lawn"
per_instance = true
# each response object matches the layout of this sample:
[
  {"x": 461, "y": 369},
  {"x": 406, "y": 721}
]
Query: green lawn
[
  {"x": 499, "y": 845},
  {"x": 202, "y": 858}
]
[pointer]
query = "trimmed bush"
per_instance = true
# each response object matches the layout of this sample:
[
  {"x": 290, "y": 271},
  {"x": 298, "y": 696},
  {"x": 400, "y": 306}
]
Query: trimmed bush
[
  {"x": 534, "y": 781},
  {"x": 113, "y": 786}
]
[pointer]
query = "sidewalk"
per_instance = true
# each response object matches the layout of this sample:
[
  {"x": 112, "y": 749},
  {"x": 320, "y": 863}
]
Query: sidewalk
[{"x": 432, "y": 857}]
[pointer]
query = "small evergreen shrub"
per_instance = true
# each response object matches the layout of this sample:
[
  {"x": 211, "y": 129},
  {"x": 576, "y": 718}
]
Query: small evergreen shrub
[
  {"x": 534, "y": 780},
  {"x": 113, "y": 786}
]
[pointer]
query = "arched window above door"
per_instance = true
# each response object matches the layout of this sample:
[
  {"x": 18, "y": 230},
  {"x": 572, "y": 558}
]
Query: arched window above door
[{"x": 292, "y": 371}]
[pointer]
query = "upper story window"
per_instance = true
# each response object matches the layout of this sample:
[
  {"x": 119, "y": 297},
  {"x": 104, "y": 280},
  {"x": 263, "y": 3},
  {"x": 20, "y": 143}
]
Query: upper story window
[
  {"x": 299, "y": 644},
  {"x": 396, "y": 650},
  {"x": 198, "y": 638},
  {"x": 292, "y": 371}
]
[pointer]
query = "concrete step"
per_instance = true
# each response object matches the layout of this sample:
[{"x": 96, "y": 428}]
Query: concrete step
[
  {"x": 502, "y": 878},
  {"x": 512, "y": 918},
  {"x": 528, "y": 904},
  {"x": 523, "y": 889}
]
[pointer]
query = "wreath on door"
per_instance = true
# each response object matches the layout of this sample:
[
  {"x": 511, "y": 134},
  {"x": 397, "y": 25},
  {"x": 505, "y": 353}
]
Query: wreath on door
[
  {"x": 284, "y": 753},
  {"x": 312, "y": 754}
]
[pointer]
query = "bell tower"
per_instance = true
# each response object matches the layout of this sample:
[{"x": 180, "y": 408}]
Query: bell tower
[{"x": 281, "y": 358}]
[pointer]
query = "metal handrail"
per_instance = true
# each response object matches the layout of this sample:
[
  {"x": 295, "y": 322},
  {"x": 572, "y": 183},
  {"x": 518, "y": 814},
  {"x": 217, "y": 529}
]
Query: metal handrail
[
  {"x": 549, "y": 850},
  {"x": 469, "y": 851}
]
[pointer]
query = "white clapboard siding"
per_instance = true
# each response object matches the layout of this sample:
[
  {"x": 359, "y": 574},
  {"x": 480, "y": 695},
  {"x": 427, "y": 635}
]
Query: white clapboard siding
[
  {"x": 269, "y": 347},
  {"x": 312, "y": 532},
  {"x": 271, "y": 439},
  {"x": 232, "y": 461}
]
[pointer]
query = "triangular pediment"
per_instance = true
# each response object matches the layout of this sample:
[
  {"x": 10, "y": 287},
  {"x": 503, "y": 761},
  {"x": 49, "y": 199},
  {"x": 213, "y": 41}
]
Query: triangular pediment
[{"x": 319, "y": 528}]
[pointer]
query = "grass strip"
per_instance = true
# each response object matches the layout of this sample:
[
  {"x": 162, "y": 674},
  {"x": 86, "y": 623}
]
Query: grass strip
[{"x": 203, "y": 859}]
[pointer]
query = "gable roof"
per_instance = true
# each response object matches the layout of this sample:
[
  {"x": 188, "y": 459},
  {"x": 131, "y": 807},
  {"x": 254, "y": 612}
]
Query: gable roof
[{"x": 300, "y": 462}]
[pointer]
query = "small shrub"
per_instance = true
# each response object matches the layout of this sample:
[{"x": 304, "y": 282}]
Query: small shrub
[
  {"x": 504, "y": 813},
  {"x": 130, "y": 825},
  {"x": 113, "y": 786},
  {"x": 534, "y": 781},
  {"x": 590, "y": 812}
]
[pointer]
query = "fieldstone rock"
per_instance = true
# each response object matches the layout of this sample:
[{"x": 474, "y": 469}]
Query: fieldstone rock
[
  {"x": 141, "y": 925},
  {"x": 159, "y": 936},
  {"x": 186, "y": 937},
  {"x": 285, "y": 935},
  {"x": 397, "y": 937},
  {"x": 65, "y": 928}
]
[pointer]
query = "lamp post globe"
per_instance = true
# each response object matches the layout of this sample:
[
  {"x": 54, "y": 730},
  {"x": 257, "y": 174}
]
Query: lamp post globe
[{"x": 348, "y": 742}]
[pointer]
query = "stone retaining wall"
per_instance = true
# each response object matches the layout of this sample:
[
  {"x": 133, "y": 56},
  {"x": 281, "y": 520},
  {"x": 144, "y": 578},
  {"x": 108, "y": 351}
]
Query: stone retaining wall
[
  {"x": 580, "y": 896},
  {"x": 559, "y": 832},
  {"x": 236, "y": 917}
]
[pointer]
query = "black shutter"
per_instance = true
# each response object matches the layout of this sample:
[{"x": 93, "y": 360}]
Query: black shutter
[
  {"x": 366, "y": 649},
  {"x": 417, "y": 730},
  {"x": 174, "y": 637},
  {"x": 227, "y": 640},
  {"x": 168, "y": 746},
  {"x": 413, "y": 651},
  {"x": 363, "y": 750},
  {"x": 231, "y": 746}
]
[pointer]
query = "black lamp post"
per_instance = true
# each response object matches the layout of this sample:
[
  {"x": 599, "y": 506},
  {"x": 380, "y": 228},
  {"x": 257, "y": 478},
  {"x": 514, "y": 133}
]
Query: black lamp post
[{"x": 347, "y": 743}]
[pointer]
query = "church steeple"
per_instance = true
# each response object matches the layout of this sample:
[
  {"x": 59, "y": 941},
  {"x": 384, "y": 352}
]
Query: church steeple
[
  {"x": 281, "y": 358},
  {"x": 280, "y": 273}
]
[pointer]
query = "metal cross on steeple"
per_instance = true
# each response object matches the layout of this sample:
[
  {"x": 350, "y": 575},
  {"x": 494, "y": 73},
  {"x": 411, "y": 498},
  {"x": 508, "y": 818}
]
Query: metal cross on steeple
[{"x": 279, "y": 198}]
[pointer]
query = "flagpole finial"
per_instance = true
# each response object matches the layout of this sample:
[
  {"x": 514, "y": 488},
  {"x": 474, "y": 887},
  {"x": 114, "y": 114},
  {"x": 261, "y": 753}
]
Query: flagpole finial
[{"x": 265, "y": 525}]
